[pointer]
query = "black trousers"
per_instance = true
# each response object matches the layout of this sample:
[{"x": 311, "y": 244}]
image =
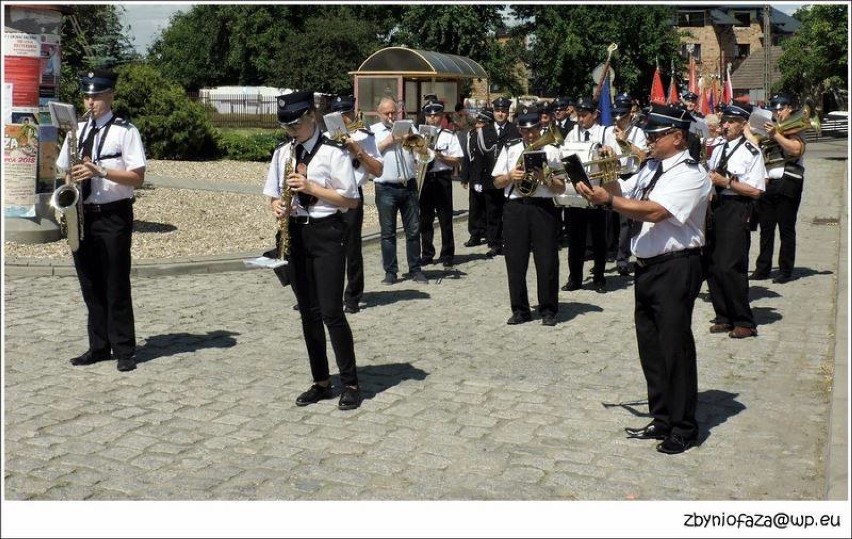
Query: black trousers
[
  {"x": 780, "y": 211},
  {"x": 476, "y": 207},
  {"x": 532, "y": 224},
  {"x": 622, "y": 257},
  {"x": 665, "y": 296},
  {"x": 354, "y": 221},
  {"x": 103, "y": 269},
  {"x": 729, "y": 241},
  {"x": 317, "y": 260},
  {"x": 436, "y": 197},
  {"x": 494, "y": 202},
  {"x": 581, "y": 220}
]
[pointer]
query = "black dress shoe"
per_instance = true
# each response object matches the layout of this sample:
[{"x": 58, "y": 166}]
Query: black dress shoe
[
  {"x": 600, "y": 286},
  {"x": 494, "y": 251},
  {"x": 548, "y": 320},
  {"x": 473, "y": 242},
  {"x": 448, "y": 262},
  {"x": 89, "y": 358},
  {"x": 126, "y": 364},
  {"x": 758, "y": 276},
  {"x": 313, "y": 395},
  {"x": 674, "y": 444},
  {"x": 781, "y": 279},
  {"x": 651, "y": 431},
  {"x": 426, "y": 260},
  {"x": 518, "y": 319},
  {"x": 570, "y": 286},
  {"x": 351, "y": 308},
  {"x": 349, "y": 399},
  {"x": 624, "y": 270}
]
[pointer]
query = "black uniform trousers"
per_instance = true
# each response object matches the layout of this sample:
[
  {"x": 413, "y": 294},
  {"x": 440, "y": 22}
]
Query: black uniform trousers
[
  {"x": 436, "y": 197},
  {"x": 103, "y": 269},
  {"x": 316, "y": 268},
  {"x": 354, "y": 220},
  {"x": 728, "y": 243},
  {"x": 476, "y": 213},
  {"x": 665, "y": 295},
  {"x": 531, "y": 224},
  {"x": 581, "y": 220},
  {"x": 494, "y": 202},
  {"x": 777, "y": 210}
]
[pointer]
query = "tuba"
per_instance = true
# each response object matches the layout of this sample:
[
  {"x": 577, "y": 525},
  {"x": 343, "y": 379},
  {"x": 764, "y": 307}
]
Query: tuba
[
  {"x": 799, "y": 121},
  {"x": 527, "y": 186},
  {"x": 67, "y": 199},
  {"x": 422, "y": 143}
]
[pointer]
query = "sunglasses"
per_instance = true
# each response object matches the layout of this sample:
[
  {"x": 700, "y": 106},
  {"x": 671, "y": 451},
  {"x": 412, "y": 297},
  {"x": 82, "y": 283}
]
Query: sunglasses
[{"x": 654, "y": 137}]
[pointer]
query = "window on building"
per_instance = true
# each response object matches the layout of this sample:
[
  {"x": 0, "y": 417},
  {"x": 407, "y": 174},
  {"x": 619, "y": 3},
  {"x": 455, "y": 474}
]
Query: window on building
[
  {"x": 696, "y": 51},
  {"x": 743, "y": 18},
  {"x": 693, "y": 19},
  {"x": 743, "y": 50}
]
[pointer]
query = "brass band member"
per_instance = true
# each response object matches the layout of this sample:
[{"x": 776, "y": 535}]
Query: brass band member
[
  {"x": 583, "y": 221},
  {"x": 367, "y": 162},
  {"x": 530, "y": 225},
  {"x": 436, "y": 196},
  {"x": 324, "y": 182},
  {"x": 779, "y": 205},
  {"x": 668, "y": 200},
  {"x": 113, "y": 164},
  {"x": 738, "y": 173},
  {"x": 628, "y": 133}
]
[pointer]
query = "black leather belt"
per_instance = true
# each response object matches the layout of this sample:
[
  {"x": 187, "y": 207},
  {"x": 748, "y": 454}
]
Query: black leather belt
[
  {"x": 308, "y": 220},
  {"x": 447, "y": 172},
  {"x": 537, "y": 201},
  {"x": 398, "y": 185},
  {"x": 645, "y": 262},
  {"x": 738, "y": 198},
  {"x": 109, "y": 206}
]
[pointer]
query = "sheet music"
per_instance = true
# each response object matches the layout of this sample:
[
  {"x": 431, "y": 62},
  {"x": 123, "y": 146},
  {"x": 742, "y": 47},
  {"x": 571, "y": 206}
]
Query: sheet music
[
  {"x": 401, "y": 128},
  {"x": 335, "y": 125},
  {"x": 62, "y": 115}
]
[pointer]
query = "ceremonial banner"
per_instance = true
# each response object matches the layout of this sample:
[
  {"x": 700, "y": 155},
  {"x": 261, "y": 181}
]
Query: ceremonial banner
[{"x": 658, "y": 95}]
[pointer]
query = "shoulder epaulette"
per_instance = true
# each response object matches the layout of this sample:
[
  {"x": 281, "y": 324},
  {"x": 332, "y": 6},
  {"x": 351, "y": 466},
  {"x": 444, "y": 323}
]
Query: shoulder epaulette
[
  {"x": 332, "y": 143},
  {"x": 512, "y": 142},
  {"x": 367, "y": 131},
  {"x": 691, "y": 162},
  {"x": 280, "y": 144},
  {"x": 450, "y": 131},
  {"x": 752, "y": 148},
  {"x": 122, "y": 122}
]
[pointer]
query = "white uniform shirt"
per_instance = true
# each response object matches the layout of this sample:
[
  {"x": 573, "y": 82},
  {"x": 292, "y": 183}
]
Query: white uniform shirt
[
  {"x": 605, "y": 136},
  {"x": 684, "y": 190},
  {"x": 368, "y": 144},
  {"x": 746, "y": 163},
  {"x": 399, "y": 163},
  {"x": 122, "y": 149},
  {"x": 636, "y": 137},
  {"x": 448, "y": 144},
  {"x": 509, "y": 157},
  {"x": 777, "y": 170},
  {"x": 330, "y": 167}
]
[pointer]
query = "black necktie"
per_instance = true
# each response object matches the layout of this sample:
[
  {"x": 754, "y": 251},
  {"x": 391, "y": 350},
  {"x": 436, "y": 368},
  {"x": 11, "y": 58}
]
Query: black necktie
[
  {"x": 722, "y": 166},
  {"x": 586, "y": 136},
  {"x": 636, "y": 226},
  {"x": 301, "y": 154},
  {"x": 88, "y": 147}
]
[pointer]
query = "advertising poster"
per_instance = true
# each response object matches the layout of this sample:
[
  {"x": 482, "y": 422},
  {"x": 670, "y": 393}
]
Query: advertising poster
[
  {"x": 21, "y": 44},
  {"x": 20, "y": 167},
  {"x": 24, "y": 73},
  {"x": 51, "y": 61},
  {"x": 48, "y": 152},
  {"x": 33, "y": 21}
]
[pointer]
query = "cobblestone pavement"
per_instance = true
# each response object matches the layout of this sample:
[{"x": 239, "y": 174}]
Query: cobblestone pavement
[{"x": 459, "y": 406}]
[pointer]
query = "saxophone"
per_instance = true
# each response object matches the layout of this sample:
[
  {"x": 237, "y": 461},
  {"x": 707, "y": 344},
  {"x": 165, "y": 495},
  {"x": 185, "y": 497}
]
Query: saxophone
[
  {"x": 67, "y": 199},
  {"x": 286, "y": 200}
]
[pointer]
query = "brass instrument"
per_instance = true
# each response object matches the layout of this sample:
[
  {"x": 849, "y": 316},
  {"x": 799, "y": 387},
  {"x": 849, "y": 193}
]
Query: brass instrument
[
  {"x": 598, "y": 170},
  {"x": 67, "y": 199},
  {"x": 423, "y": 144},
  {"x": 531, "y": 180},
  {"x": 799, "y": 121},
  {"x": 286, "y": 200}
]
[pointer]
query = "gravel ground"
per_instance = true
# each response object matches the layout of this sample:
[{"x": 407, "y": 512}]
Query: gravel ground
[{"x": 177, "y": 223}]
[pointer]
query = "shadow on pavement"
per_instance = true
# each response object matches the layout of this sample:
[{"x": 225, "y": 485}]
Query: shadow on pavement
[
  {"x": 376, "y": 299},
  {"x": 760, "y": 292},
  {"x": 373, "y": 379},
  {"x": 763, "y": 316},
  {"x": 176, "y": 343},
  {"x": 571, "y": 310},
  {"x": 714, "y": 408},
  {"x": 148, "y": 226}
]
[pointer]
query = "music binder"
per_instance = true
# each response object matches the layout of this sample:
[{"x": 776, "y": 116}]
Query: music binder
[{"x": 575, "y": 171}]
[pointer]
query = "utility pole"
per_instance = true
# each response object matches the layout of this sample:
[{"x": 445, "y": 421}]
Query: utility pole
[{"x": 767, "y": 56}]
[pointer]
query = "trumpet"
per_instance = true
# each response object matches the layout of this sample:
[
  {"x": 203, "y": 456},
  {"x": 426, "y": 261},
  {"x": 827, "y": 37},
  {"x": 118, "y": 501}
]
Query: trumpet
[{"x": 602, "y": 169}]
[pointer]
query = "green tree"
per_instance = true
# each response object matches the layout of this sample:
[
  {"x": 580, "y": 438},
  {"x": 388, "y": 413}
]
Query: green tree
[
  {"x": 92, "y": 37},
  {"x": 569, "y": 41},
  {"x": 815, "y": 58}
]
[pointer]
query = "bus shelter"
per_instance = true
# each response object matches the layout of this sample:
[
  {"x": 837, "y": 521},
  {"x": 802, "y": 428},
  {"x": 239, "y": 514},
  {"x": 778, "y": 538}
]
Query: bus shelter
[{"x": 408, "y": 75}]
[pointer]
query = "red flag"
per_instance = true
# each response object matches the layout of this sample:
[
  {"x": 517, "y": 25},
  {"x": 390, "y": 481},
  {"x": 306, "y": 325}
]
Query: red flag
[
  {"x": 658, "y": 95},
  {"x": 693, "y": 81},
  {"x": 706, "y": 108},
  {"x": 674, "y": 98},
  {"x": 728, "y": 93}
]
